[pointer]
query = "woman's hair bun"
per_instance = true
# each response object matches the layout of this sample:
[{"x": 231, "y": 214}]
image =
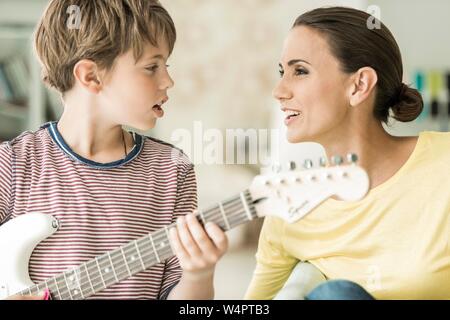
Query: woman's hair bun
[{"x": 407, "y": 105}]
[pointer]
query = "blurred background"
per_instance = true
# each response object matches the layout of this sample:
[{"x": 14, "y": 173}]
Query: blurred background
[{"x": 225, "y": 64}]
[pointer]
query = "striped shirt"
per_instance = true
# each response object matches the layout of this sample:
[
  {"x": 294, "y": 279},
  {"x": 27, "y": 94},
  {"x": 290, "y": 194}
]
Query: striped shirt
[{"x": 100, "y": 207}]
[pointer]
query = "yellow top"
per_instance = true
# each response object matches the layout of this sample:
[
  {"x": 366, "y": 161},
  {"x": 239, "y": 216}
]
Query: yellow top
[{"x": 394, "y": 242}]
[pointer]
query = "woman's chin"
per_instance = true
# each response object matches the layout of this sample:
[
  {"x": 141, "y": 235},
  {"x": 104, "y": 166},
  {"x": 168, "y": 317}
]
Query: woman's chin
[{"x": 295, "y": 137}]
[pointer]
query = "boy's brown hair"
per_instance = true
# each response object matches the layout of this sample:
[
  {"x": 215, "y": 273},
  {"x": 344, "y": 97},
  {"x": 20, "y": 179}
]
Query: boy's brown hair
[{"x": 98, "y": 30}]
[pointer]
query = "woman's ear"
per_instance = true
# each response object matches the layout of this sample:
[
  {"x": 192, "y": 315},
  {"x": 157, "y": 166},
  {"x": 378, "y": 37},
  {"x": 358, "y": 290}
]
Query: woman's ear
[
  {"x": 362, "y": 85},
  {"x": 86, "y": 73}
]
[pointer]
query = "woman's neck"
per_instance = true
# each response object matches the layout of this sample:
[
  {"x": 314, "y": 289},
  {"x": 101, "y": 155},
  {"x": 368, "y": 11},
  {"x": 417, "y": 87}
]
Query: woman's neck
[{"x": 379, "y": 153}]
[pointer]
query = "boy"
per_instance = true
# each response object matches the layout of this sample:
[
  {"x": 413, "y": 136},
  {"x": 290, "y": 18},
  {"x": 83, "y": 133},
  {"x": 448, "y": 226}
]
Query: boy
[{"x": 106, "y": 186}]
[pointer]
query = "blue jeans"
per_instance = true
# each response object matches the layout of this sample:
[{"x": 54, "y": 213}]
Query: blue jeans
[{"x": 339, "y": 290}]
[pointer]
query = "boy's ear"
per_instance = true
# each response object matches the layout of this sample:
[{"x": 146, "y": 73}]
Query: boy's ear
[{"x": 87, "y": 74}]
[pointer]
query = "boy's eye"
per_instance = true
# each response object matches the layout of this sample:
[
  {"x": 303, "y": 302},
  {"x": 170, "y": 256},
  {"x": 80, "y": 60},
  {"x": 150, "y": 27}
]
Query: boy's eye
[
  {"x": 155, "y": 67},
  {"x": 281, "y": 72},
  {"x": 152, "y": 68}
]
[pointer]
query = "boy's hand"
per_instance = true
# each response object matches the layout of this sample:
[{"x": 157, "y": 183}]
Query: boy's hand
[
  {"x": 44, "y": 295},
  {"x": 198, "y": 249}
]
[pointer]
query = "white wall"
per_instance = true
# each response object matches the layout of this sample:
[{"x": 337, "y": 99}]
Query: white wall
[{"x": 422, "y": 31}]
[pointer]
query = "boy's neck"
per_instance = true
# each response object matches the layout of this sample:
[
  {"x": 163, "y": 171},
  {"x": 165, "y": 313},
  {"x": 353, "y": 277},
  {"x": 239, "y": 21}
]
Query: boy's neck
[{"x": 90, "y": 135}]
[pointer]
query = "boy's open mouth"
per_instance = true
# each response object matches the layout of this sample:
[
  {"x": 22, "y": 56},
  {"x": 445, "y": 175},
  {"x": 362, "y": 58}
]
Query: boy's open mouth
[{"x": 159, "y": 112}]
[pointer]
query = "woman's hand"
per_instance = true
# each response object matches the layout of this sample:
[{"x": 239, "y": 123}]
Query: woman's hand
[{"x": 198, "y": 249}]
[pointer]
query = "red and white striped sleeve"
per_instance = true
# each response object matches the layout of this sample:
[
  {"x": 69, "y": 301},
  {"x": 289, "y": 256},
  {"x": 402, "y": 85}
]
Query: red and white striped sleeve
[{"x": 5, "y": 181}]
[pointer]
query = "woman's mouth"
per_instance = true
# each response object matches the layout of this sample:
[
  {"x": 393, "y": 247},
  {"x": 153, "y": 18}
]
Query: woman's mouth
[{"x": 291, "y": 116}]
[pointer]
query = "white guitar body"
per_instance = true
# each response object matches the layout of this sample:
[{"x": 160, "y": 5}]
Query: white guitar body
[
  {"x": 18, "y": 238},
  {"x": 287, "y": 195}
]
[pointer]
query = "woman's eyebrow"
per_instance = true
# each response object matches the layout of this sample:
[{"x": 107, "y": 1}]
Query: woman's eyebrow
[{"x": 294, "y": 61}]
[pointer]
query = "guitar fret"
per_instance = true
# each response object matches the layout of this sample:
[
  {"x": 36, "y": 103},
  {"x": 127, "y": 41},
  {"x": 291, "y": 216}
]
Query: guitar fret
[
  {"x": 84, "y": 281},
  {"x": 154, "y": 248},
  {"x": 50, "y": 288},
  {"x": 112, "y": 267},
  {"x": 202, "y": 217},
  {"x": 78, "y": 280},
  {"x": 67, "y": 285},
  {"x": 107, "y": 270},
  {"x": 236, "y": 213},
  {"x": 100, "y": 272},
  {"x": 60, "y": 286},
  {"x": 166, "y": 229},
  {"x": 74, "y": 287},
  {"x": 89, "y": 278},
  {"x": 95, "y": 275},
  {"x": 147, "y": 255},
  {"x": 133, "y": 262},
  {"x": 139, "y": 254},
  {"x": 244, "y": 201},
  {"x": 125, "y": 260},
  {"x": 163, "y": 244},
  {"x": 57, "y": 287},
  {"x": 222, "y": 211},
  {"x": 120, "y": 264},
  {"x": 46, "y": 286},
  {"x": 249, "y": 199},
  {"x": 38, "y": 290}
]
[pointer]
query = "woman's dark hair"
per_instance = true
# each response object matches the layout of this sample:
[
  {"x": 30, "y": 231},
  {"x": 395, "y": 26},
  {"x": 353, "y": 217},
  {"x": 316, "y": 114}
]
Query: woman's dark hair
[{"x": 355, "y": 45}]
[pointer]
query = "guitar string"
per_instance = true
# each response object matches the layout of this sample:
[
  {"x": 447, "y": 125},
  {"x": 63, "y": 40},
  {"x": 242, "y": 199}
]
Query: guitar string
[{"x": 121, "y": 271}]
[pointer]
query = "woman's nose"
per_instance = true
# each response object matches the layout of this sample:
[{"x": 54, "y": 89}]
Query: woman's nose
[{"x": 281, "y": 92}]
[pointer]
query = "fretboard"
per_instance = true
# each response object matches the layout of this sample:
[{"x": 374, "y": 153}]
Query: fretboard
[{"x": 114, "y": 266}]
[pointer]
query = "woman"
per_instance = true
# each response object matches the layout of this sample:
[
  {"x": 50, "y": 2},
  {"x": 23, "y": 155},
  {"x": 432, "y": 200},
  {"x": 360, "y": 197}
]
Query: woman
[{"x": 339, "y": 82}]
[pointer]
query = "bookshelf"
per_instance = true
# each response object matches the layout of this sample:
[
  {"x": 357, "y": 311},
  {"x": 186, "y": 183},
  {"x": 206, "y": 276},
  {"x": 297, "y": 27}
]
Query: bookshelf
[{"x": 30, "y": 112}]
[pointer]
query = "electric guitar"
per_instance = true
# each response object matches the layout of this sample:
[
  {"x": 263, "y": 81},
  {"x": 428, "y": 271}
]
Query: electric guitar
[{"x": 289, "y": 195}]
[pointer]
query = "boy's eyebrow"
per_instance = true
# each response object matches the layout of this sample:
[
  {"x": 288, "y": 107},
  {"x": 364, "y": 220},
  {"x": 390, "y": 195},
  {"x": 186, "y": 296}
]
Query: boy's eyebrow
[{"x": 156, "y": 56}]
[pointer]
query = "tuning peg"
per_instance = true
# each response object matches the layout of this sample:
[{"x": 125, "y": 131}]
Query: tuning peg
[
  {"x": 322, "y": 162},
  {"x": 351, "y": 157},
  {"x": 308, "y": 164},
  {"x": 263, "y": 170},
  {"x": 276, "y": 168},
  {"x": 291, "y": 165},
  {"x": 336, "y": 160}
]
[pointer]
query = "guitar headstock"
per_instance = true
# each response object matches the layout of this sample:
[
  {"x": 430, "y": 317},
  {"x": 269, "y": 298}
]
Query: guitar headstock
[{"x": 291, "y": 194}]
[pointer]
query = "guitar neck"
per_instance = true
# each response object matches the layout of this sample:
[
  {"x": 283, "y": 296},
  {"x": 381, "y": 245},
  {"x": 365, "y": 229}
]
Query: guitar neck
[{"x": 114, "y": 266}]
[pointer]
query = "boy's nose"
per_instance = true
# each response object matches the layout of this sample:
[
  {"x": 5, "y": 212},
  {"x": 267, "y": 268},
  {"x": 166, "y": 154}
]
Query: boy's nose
[{"x": 167, "y": 83}]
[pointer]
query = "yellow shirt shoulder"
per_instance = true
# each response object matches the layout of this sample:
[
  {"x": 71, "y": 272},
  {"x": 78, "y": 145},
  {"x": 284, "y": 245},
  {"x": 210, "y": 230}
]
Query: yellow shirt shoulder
[{"x": 394, "y": 242}]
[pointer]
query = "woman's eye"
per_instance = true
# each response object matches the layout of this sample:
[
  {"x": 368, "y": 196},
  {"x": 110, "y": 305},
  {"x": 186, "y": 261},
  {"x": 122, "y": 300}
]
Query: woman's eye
[
  {"x": 300, "y": 71},
  {"x": 281, "y": 72}
]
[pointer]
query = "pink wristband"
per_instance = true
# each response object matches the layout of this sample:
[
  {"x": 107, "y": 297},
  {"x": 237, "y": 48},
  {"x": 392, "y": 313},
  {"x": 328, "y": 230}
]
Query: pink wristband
[{"x": 47, "y": 294}]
